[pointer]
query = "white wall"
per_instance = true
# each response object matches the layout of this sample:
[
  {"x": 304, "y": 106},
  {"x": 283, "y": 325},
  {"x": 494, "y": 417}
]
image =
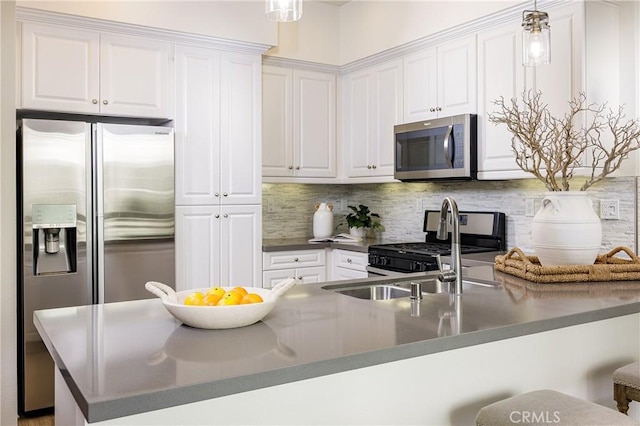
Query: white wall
[
  {"x": 368, "y": 27},
  {"x": 314, "y": 38},
  {"x": 8, "y": 353},
  {"x": 234, "y": 20}
]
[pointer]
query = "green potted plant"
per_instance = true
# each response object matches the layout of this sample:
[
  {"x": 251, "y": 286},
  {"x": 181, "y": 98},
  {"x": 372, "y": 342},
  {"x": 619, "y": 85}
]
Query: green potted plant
[{"x": 361, "y": 219}]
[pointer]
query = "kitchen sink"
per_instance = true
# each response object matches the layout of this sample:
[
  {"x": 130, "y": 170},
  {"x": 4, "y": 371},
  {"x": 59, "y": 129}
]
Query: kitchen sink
[{"x": 394, "y": 290}]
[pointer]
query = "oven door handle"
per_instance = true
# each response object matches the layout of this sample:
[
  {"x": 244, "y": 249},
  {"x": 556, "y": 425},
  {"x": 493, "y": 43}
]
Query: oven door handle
[{"x": 448, "y": 157}]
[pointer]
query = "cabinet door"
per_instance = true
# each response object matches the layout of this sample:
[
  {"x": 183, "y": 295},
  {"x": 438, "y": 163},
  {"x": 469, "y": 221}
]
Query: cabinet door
[
  {"x": 60, "y": 69},
  {"x": 197, "y": 247},
  {"x": 240, "y": 128},
  {"x": 241, "y": 245},
  {"x": 313, "y": 275},
  {"x": 347, "y": 274},
  {"x": 277, "y": 126},
  {"x": 387, "y": 112},
  {"x": 420, "y": 85},
  {"x": 457, "y": 87},
  {"x": 561, "y": 80},
  {"x": 271, "y": 278},
  {"x": 197, "y": 126},
  {"x": 500, "y": 74},
  {"x": 134, "y": 76},
  {"x": 358, "y": 125},
  {"x": 314, "y": 124}
]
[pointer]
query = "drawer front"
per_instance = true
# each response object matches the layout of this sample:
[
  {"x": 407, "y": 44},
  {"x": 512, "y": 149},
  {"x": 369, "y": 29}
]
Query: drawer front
[
  {"x": 292, "y": 259},
  {"x": 348, "y": 274},
  {"x": 351, "y": 259},
  {"x": 311, "y": 275}
]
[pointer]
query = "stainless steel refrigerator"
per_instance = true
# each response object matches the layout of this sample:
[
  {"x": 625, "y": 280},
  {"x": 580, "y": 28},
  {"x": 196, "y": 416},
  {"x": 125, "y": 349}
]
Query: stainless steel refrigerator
[{"x": 96, "y": 222}]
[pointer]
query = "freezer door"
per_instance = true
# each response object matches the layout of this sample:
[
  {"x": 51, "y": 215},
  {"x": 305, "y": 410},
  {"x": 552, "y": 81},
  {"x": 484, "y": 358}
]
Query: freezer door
[
  {"x": 135, "y": 215},
  {"x": 52, "y": 186}
]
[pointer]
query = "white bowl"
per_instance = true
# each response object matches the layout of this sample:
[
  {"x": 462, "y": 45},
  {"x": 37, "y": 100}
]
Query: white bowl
[{"x": 217, "y": 317}]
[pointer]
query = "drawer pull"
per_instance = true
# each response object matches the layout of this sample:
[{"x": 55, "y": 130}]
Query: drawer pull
[{"x": 295, "y": 259}]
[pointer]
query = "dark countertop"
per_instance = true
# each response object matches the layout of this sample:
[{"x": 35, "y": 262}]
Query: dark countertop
[{"x": 132, "y": 357}]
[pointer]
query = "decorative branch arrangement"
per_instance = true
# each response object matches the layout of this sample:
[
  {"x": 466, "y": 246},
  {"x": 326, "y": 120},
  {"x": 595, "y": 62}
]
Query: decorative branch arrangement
[{"x": 551, "y": 148}]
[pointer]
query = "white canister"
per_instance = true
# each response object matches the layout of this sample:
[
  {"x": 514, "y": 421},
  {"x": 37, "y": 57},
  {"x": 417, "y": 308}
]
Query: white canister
[{"x": 323, "y": 221}]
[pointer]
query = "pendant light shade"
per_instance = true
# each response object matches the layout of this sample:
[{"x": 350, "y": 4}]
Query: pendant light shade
[
  {"x": 283, "y": 10},
  {"x": 536, "y": 38}
]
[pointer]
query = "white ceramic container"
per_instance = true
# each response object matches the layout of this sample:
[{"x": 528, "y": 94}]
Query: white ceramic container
[
  {"x": 566, "y": 230},
  {"x": 323, "y": 221}
]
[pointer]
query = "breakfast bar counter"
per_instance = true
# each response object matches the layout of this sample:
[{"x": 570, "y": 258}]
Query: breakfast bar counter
[{"x": 321, "y": 357}]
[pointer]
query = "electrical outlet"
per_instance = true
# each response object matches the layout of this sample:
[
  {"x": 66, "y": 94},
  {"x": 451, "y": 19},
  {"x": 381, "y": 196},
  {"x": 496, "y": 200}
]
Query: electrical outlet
[
  {"x": 530, "y": 207},
  {"x": 270, "y": 206},
  {"x": 609, "y": 209}
]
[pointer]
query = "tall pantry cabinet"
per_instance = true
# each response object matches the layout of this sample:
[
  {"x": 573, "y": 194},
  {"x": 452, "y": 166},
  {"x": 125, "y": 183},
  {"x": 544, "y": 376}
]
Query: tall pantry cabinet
[{"x": 218, "y": 166}]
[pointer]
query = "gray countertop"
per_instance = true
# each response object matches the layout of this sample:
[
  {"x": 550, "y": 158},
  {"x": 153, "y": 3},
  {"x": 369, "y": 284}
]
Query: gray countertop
[
  {"x": 285, "y": 244},
  {"x": 125, "y": 358}
]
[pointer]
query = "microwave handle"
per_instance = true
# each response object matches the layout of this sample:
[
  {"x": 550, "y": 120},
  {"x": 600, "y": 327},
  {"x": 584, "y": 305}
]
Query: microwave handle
[{"x": 446, "y": 147}]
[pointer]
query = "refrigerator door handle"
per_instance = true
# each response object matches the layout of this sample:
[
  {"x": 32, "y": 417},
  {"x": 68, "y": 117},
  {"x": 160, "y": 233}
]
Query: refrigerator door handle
[{"x": 98, "y": 197}]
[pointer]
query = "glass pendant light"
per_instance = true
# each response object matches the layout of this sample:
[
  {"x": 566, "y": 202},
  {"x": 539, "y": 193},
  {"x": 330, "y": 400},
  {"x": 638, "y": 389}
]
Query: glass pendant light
[
  {"x": 283, "y": 10},
  {"x": 536, "y": 37}
]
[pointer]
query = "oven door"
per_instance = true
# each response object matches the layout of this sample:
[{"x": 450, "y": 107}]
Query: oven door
[{"x": 373, "y": 271}]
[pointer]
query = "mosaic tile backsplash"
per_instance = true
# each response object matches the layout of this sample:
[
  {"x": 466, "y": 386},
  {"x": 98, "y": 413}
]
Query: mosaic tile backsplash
[{"x": 401, "y": 207}]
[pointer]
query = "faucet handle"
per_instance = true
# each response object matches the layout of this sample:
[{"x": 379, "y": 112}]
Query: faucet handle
[{"x": 447, "y": 276}]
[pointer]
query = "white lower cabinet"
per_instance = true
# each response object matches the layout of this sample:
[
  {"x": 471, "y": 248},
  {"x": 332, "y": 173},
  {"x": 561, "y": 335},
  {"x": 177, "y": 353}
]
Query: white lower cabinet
[
  {"x": 309, "y": 266},
  {"x": 348, "y": 265},
  {"x": 218, "y": 245}
]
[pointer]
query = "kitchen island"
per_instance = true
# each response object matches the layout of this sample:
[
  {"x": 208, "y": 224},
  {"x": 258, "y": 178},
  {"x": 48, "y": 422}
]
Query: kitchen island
[{"x": 326, "y": 358}]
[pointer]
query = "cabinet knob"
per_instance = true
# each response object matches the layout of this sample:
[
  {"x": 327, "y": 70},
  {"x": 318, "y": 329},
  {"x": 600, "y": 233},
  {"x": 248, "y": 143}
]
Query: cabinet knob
[
  {"x": 290, "y": 167},
  {"x": 226, "y": 216},
  {"x": 300, "y": 278},
  {"x": 349, "y": 260},
  {"x": 438, "y": 109},
  {"x": 224, "y": 194},
  {"x": 432, "y": 109},
  {"x": 297, "y": 167},
  {"x": 374, "y": 166},
  {"x": 105, "y": 102},
  {"x": 217, "y": 194},
  {"x": 217, "y": 216},
  {"x": 94, "y": 101},
  {"x": 368, "y": 166},
  {"x": 295, "y": 259}
]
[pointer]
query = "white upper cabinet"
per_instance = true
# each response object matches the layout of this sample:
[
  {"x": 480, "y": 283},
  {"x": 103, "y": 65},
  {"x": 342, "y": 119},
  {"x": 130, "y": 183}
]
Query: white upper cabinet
[
  {"x": 299, "y": 123},
  {"x": 372, "y": 107},
  {"x": 217, "y": 127},
  {"x": 500, "y": 74},
  {"x": 440, "y": 81},
  {"x": 79, "y": 71}
]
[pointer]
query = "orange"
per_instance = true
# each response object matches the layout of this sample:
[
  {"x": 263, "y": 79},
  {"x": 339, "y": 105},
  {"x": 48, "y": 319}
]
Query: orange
[
  {"x": 216, "y": 290},
  {"x": 211, "y": 299},
  {"x": 251, "y": 298},
  {"x": 240, "y": 290},
  {"x": 230, "y": 298},
  {"x": 194, "y": 299}
]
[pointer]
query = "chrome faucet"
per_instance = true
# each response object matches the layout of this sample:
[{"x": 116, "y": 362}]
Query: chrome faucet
[{"x": 455, "y": 273}]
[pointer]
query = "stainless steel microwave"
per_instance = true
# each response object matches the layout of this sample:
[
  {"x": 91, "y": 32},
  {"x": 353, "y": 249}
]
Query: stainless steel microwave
[{"x": 442, "y": 148}]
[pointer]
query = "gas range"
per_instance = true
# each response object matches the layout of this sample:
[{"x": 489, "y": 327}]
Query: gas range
[{"x": 479, "y": 232}]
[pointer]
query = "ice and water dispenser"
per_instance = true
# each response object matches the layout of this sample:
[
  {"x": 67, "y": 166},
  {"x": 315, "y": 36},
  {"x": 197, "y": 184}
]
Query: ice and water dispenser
[{"x": 54, "y": 239}]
